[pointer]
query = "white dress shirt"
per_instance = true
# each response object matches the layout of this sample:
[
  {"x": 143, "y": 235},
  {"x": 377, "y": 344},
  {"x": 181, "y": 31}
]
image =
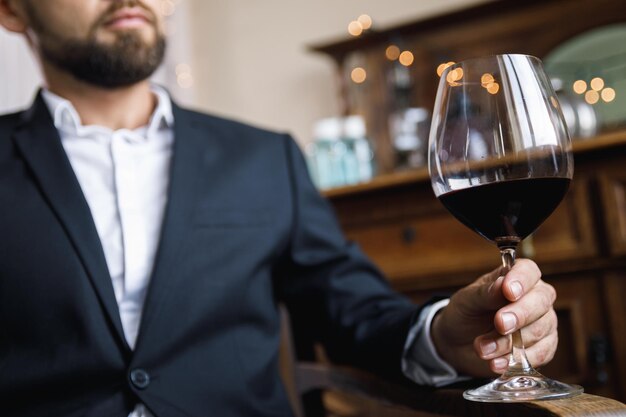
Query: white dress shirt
[{"x": 124, "y": 176}]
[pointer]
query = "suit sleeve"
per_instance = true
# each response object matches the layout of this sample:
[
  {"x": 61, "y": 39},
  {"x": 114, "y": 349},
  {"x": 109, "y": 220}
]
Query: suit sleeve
[{"x": 333, "y": 291}]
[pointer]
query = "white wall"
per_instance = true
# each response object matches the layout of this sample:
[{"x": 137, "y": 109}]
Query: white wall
[{"x": 19, "y": 76}]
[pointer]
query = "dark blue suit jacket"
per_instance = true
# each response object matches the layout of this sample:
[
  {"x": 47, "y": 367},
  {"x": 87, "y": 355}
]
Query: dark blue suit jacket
[{"x": 244, "y": 229}]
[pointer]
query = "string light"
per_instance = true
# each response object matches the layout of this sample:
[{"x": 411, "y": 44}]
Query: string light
[
  {"x": 442, "y": 67},
  {"x": 597, "y": 84},
  {"x": 608, "y": 94},
  {"x": 361, "y": 24},
  {"x": 365, "y": 21},
  {"x": 493, "y": 88},
  {"x": 488, "y": 82},
  {"x": 355, "y": 28},
  {"x": 392, "y": 52},
  {"x": 358, "y": 75},
  {"x": 592, "y": 96},
  {"x": 597, "y": 90},
  {"x": 579, "y": 87},
  {"x": 486, "y": 79},
  {"x": 406, "y": 58},
  {"x": 454, "y": 75}
]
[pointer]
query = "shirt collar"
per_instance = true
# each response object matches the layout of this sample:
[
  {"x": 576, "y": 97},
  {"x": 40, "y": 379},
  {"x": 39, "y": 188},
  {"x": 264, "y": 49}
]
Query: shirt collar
[{"x": 66, "y": 117}]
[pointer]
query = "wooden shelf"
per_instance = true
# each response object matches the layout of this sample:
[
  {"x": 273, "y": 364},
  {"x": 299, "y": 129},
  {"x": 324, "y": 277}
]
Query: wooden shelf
[{"x": 580, "y": 147}]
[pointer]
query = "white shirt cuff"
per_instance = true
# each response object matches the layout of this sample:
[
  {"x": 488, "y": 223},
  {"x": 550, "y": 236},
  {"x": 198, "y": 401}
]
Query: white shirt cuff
[{"x": 420, "y": 361}]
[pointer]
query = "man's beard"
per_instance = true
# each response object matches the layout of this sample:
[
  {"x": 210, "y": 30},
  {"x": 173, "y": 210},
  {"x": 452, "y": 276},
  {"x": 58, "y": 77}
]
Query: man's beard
[{"x": 127, "y": 60}]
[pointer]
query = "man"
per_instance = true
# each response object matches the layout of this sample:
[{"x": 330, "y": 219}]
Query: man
[{"x": 145, "y": 248}]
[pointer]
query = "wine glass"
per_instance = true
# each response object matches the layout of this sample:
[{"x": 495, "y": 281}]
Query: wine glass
[{"x": 500, "y": 161}]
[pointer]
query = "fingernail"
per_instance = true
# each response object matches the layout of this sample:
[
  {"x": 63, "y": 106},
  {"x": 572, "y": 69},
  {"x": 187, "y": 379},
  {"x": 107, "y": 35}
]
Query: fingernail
[
  {"x": 500, "y": 363},
  {"x": 509, "y": 321},
  {"x": 516, "y": 289},
  {"x": 487, "y": 347}
]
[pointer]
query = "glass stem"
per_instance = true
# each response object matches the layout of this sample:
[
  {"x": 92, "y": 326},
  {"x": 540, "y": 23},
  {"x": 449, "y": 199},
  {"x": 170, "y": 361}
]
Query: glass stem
[{"x": 518, "y": 362}]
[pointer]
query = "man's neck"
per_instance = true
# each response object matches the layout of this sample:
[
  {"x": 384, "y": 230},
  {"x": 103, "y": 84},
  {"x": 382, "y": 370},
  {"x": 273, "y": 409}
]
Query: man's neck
[{"x": 126, "y": 107}]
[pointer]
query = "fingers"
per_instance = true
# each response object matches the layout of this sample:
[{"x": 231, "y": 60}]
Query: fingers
[
  {"x": 521, "y": 278},
  {"x": 492, "y": 345},
  {"x": 543, "y": 351},
  {"x": 538, "y": 355},
  {"x": 492, "y": 291},
  {"x": 533, "y": 305},
  {"x": 483, "y": 295},
  {"x": 495, "y": 349},
  {"x": 521, "y": 301},
  {"x": 540, "y": 339}
]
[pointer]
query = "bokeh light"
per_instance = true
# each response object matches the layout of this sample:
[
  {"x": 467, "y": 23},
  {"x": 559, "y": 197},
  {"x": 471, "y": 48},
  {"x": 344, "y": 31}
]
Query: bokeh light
[
  {"x": 455, "y": 75},
  {"x": 579, "y": 87},
  {"x": 392, "y": 52},
  {"x": 486, "y": 79},
  {"x": 608, "y": 94},
  {"x": 355, "y": 28},
  {"x": 365, "y": 21},
  {"x": 442, "y": 67},
  {"x": 493, "y": 88},
  {"x": 597, "y": 84},
  {"x": 406, "y": 58},
  {"x": 358, "y": 75},
  {"x": 592, "y": 96}
]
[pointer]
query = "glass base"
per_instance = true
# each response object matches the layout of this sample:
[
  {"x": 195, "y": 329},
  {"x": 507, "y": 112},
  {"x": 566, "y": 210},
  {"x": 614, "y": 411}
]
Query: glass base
[{"x": 517, "y": 386}]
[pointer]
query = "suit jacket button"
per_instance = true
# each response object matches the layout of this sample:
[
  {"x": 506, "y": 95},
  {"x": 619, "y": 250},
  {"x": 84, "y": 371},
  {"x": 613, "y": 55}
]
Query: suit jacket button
[{"x": 140, "y": 378}]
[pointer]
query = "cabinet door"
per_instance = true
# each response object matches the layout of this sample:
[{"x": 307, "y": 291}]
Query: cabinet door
[
  {"x": 614, "y": 296},
  {"x": 613, "y": 194},
  {"x": 568, "y": 234},
  {"x": 585, "y": 339}
]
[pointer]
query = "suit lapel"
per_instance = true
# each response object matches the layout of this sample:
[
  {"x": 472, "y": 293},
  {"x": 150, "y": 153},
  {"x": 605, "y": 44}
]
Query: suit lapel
[
  {"x": 40, "y": 144},
  {"x": 189, "y": 160}
]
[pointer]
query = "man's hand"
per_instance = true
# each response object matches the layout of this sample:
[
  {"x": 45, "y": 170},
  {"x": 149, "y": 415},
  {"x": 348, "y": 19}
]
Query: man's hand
[{"x": 471, "y": 333}]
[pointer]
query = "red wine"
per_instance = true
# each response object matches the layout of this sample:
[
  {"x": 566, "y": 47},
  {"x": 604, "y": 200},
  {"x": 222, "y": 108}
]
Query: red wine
[{"x": 506, "y": 212}]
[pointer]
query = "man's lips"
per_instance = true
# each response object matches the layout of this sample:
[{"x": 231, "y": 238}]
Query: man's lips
[{"x": 128, "y": 18}]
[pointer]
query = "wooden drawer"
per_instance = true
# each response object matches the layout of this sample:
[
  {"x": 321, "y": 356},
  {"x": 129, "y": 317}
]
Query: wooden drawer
[
  {"x": 424, "y": 246},
  {"x": 408, "y": 244}
]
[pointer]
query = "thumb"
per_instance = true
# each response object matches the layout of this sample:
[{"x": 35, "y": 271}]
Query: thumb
[
  {"x": 483, "y": 295},
  {"x": 469, "y": 314}
]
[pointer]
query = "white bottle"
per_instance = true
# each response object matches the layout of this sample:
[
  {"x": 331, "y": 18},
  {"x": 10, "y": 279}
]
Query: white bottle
[
  {"x": 328, "y": 153},
  {"x": 359, "y": 147}
]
